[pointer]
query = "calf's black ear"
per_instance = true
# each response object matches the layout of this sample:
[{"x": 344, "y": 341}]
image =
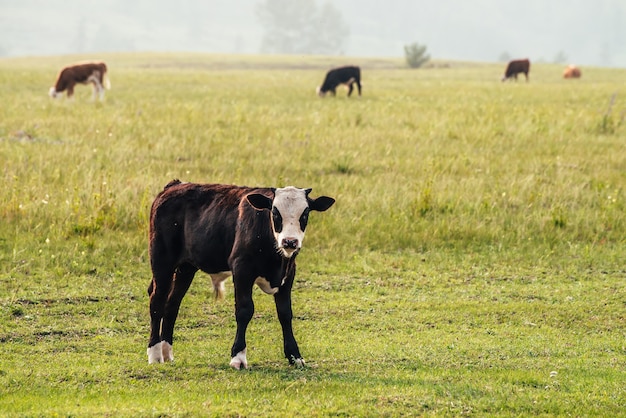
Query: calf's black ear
[
  {"x": 259, "y": 201},
  {"x": 321, "y": 203}
]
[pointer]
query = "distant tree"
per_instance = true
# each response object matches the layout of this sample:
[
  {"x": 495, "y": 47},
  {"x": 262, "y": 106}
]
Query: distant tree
[
  {"x": 560, "y": 58},
  {"x": 504, "y": 57},
  {"x": 329, "y": 32},
  {"x": 299, "y": 27},
  {"x": 286, "y": 23},
  {"x": 415, "y": 55}
]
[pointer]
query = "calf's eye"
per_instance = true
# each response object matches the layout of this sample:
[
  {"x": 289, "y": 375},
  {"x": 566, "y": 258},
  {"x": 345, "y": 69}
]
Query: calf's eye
[
  {"x": 278, "y": 220},
  {"x": 304, "y": 219}
]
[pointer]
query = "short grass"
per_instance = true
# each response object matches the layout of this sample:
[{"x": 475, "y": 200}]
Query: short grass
[{"x": 472, "y": 266}]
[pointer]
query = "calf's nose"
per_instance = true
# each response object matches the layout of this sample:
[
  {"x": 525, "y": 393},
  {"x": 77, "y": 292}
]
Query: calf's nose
[{"x": 290, "y": 243}]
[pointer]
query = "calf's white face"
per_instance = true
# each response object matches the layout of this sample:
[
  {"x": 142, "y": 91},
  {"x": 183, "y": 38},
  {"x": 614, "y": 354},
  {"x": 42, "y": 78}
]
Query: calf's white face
[{"x": 289, "y": 215}]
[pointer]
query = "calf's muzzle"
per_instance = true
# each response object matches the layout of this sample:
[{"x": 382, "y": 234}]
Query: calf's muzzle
[{"x": 290, "y": 243}]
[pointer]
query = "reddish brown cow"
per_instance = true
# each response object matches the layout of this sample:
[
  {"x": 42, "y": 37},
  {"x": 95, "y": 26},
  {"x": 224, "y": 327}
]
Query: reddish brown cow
[
  {"x": 83, "y": 73},
  {"x": 515, "y": 67},
  {"x": 571, "y": 71}
]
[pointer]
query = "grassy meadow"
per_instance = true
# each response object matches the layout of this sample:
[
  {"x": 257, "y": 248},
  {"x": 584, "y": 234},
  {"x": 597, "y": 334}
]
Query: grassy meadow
[{"x": 473, "y": 265}]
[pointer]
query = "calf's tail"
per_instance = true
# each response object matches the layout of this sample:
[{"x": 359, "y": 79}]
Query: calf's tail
[{"x": 218, "y": 290}]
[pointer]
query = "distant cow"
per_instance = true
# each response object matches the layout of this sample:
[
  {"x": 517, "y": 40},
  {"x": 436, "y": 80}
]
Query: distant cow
[
  {"x": 343, "y": 75},
  {"x": 253, "y": 234},
  {"x": 83, "y": 73},
  {"x": 516, "y": 67},
  {"x": 571, "y": 71}
]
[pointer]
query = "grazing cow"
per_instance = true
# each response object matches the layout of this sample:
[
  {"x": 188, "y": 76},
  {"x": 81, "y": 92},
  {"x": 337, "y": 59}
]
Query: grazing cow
[
  {"x": 83, "y": 73},
  {"x": 571, "y": 71},
  {"x": 343, "y": 75},
  {"x": 253, "y": 234},
  {"x": 516, "y": 67}
]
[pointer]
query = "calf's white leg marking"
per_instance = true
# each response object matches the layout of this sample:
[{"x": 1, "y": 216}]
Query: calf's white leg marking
[
  {"x": 155, "y": 353},
  {"x": 239, "y": 360},
  {"x": 160, "y": 353}
]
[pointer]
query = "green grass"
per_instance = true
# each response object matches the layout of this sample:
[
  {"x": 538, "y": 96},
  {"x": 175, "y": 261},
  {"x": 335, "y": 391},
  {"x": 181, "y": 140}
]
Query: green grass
[{"x": 472, "y": 265}]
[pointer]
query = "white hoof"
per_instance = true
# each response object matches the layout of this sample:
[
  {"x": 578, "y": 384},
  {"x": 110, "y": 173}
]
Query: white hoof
[
  {"x": 155, "y": 353},
  {"x": 299, "y": 363},
  {"x": 239, "y": 360}
]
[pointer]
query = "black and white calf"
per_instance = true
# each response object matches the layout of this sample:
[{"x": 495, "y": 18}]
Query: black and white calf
[
  {"x": 344, "y": 75},
  {"x": 253, "y": 234}
]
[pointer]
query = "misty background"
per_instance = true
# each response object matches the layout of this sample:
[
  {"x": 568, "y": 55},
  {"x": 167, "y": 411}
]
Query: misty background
[{"x": 582, "y": 32}]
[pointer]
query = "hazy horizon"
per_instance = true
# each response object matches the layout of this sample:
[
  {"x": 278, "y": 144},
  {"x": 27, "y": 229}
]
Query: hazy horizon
[{"x": 573, "y": 31}]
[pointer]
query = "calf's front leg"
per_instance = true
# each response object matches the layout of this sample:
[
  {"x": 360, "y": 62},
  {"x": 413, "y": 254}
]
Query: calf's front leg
[
  {"x": 282, "y": 299},
  {"x": 244, "y": 309}
]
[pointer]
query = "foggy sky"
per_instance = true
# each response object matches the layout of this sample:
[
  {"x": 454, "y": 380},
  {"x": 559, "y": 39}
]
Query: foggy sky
[{"x": 584, "y": 32}]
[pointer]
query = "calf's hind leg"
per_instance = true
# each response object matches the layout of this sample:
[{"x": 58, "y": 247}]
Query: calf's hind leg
[
  {"x": 163, "y": 268},
  {"x": 182, "y": 280},
  {"x": 96, "y": 80},
  {"x": 159, "y": 289}
]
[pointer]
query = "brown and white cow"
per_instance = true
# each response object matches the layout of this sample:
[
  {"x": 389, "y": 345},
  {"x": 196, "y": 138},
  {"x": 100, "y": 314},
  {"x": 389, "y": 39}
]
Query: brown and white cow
[
  {"x": 82, "y": 73},
  {"x": 349, "y": 76},
  {"x": 516, "y": 67},
  {"x": 253, "y": 234},
  {"x": 571, "y": 71}
]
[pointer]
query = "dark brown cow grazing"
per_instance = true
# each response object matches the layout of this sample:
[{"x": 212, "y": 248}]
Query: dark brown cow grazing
[
  {"x": 254, "y": 234},
  {"x": 343, "y": 75},
  {"x": 83, "y": 73},
  {"x": 516, "y": 67},
  {"x": 571, "y": 71}
]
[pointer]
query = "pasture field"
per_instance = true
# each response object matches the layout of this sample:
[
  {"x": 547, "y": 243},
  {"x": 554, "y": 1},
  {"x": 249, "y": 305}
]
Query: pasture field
[{"x": 473, "y": 265}]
